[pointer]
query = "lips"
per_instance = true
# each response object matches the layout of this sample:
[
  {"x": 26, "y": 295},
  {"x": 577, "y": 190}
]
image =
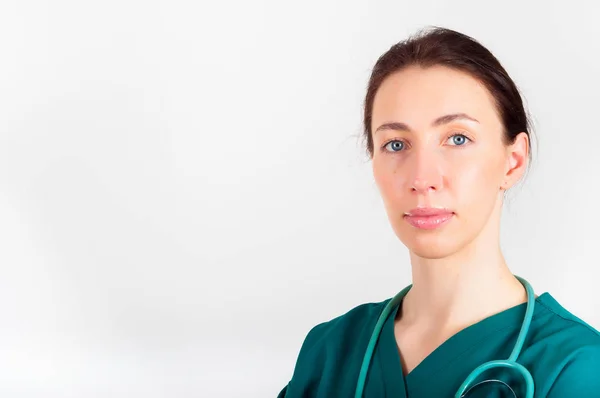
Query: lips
[{"x": 428, "y": 217}]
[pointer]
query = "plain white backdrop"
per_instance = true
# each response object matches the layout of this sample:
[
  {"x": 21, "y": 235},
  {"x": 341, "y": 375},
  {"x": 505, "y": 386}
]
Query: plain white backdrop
[{"x": 184, "y": 192}]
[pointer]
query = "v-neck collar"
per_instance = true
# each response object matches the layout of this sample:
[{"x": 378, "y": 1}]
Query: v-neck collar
[{"x": 398, "y": 385}]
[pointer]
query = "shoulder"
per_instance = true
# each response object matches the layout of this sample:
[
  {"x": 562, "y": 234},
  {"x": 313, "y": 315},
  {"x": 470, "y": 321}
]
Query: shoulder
[
  {"x": 574, "y": 348},
  {"x": 353, "y": 324},
  {"x": 565, "y": 326},
  {"x": 331, "y": 353}
]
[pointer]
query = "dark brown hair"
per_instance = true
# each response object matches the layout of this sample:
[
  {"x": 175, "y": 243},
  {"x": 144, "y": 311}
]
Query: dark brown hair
[{"x": 440, "y": 46}]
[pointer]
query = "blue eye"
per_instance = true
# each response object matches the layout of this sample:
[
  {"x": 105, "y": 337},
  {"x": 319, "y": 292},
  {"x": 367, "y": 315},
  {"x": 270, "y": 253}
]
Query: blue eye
[
  {"x": 394, "y": 146},
  {"x": 459, "y": 139},
  {"x": 397, "y": 145}
]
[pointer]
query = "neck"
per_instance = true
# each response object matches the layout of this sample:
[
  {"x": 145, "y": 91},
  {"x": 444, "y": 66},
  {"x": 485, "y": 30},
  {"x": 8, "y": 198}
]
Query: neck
[{"x": 453, "y": 292}]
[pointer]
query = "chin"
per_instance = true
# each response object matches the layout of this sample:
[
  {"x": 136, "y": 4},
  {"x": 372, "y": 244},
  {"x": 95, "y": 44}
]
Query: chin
[
  {"x": 430, "y": 244},
  {"x": 431, "y": 252}
]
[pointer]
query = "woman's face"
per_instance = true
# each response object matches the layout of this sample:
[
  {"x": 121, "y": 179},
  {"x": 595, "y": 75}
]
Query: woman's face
[{"x": 442, "y": 148}]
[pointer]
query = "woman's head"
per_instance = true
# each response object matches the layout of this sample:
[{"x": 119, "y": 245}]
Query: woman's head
[{"x": 446, "y": 128}]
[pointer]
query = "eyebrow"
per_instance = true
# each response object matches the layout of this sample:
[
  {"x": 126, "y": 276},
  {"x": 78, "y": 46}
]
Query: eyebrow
[{"x": 399, "y": 126}]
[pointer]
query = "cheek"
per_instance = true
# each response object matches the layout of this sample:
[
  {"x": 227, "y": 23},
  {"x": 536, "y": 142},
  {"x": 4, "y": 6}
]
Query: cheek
[
  {"x": 389, "y": 182},
  {"x": 477, "y": 186}
]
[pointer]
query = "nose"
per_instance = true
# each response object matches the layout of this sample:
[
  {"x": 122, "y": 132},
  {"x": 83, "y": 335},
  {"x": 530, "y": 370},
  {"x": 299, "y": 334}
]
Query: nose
[{"x": 426, "y": 175}]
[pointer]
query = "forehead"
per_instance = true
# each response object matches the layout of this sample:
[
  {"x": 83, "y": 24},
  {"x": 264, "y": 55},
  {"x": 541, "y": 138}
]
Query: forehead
[{"x": 417, "y": 96}]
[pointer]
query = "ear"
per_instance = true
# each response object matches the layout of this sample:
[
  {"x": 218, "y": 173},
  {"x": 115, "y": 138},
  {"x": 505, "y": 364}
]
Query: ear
[{"x": 517, "y": 159}]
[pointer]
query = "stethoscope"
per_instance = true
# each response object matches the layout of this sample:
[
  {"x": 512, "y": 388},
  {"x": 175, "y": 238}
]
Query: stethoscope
[{"x": 464, "y": 389}]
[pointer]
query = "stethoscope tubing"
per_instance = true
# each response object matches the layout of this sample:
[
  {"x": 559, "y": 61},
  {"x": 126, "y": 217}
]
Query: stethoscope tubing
[{"x": 511, "y": 362}]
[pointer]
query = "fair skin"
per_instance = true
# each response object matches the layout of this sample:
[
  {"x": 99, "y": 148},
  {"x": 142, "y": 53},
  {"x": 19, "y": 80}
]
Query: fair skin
[{"x": 460, "y": 276}]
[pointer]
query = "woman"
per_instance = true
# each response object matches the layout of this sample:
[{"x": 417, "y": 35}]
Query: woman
[{"x": 447, "y": 134}]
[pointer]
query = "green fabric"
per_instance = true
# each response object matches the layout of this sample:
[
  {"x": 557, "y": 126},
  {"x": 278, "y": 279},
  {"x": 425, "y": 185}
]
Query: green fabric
[{"x": 561, "y": 351}]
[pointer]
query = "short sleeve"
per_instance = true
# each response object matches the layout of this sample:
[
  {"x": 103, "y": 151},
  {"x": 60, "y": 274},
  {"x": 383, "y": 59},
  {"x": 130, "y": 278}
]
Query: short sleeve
[{"x": 580, "y": 377}]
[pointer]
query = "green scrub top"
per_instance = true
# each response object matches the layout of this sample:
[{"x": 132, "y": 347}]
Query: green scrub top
[{"x": 561, "y": 352}]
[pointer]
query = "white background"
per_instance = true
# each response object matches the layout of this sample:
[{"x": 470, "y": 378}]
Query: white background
[{"x": 184, "y": 194}]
